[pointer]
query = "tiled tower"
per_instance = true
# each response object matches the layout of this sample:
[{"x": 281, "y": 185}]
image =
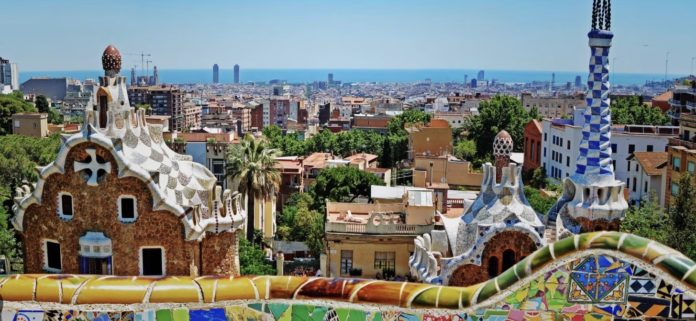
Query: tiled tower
[{"x": 592, "y": 198}]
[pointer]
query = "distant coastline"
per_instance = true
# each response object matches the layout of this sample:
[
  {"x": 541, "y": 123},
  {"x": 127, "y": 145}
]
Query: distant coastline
[{"x": 183, "y": 76}]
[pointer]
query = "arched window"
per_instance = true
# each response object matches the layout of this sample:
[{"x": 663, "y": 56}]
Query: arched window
[
  {"x": 508, "y": 259},
  {"x": 493, "y": 266}
]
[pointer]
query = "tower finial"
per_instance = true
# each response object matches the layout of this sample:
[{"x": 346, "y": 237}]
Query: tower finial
[{"x": 601, "y": 15}]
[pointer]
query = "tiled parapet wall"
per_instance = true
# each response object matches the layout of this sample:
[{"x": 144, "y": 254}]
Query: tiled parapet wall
[{"x": 595, "y": 276}]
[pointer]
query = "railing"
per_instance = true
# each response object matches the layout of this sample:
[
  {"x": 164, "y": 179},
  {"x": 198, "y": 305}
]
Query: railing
[
  {"x": 455, "y": 203},
  {"x": 357, "y": 228},
  {"x": 681, "y": 142}
]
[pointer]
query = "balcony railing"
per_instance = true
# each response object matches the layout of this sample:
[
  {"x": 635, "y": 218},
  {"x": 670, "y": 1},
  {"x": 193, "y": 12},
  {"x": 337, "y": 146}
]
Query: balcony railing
[
  {"x": 681, "y": 142},
  {"x": 357, "y": 228}
]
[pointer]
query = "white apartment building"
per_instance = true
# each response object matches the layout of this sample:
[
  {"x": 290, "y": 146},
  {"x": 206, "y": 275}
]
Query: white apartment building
[{"x": 560, "y": 141}]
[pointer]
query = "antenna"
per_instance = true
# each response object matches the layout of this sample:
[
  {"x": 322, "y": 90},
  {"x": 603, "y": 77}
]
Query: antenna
[{"x": 666, "y": 66}]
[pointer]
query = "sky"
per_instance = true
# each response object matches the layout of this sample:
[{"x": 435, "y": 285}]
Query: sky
[{"x": 549, "y": 35}]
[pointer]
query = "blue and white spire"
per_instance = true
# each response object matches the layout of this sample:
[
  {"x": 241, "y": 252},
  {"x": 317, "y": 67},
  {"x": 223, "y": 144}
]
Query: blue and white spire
[
  {"x": 592, "y": 198},
  {"x": 594, "y": 162}
]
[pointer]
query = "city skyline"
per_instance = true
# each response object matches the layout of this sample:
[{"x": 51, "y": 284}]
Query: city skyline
[{"x": 505, "y": 35}]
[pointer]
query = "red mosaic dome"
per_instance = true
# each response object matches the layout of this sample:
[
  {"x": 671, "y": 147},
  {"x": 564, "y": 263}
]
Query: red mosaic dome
[{"x": 111, "y": 60}]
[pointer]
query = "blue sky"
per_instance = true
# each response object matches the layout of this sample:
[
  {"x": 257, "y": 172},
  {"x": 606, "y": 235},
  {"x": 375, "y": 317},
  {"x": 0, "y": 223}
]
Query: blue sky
[{"x": 491, "y": 34}]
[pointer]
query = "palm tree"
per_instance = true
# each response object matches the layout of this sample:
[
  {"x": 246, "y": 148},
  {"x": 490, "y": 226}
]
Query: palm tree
[{"x": 251, "y": 165}]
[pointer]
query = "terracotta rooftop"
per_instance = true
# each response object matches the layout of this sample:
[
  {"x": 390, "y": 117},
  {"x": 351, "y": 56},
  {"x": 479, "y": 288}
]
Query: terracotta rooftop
[
  {"x": 361, "y": 156},
  {"x": 651, "y": 162}
]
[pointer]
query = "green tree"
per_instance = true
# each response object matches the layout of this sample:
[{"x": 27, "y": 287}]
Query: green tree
[
  {"x": 146, "y": 107},
  {"x": 251, "y": 165},
  {"x": 298, "y": 222},
  {"x": 19, "y": 156},
  {"x": 538, "y": 178},
  {"x": 54, "y": 116},
  {"x": 342, "y": 184},
  {"x": 42, "y": 104},
  {"x": 646, "y": 220},
  {"x": 539, "y": 202},
  {"x": 631, "y": 111},
  {"x": 682, "y": 218},
  {"x": 9, "y": 105},
  {"x": 465, "y": 149},
  {"x": 499, "y": 113},
  {"x": 252, "y": 260},
  {"x": 397, "y": 124}
]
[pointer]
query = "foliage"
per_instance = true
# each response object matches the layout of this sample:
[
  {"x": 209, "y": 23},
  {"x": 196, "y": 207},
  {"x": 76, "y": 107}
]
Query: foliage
[
  {"x": 9, "y": 105},
  {"x": 252, "y": 167},
  {"x": 145, "y": 107},
  {"x": 539, "y": 202},
  {"x": 629, "y": 110},
  {"x": 19, "y": 156},
  {"x": 495, "y": 115},
  {"x": 342, "y": 184},
  {"x": 646, "y": 220},
  {"x": 299, "y": 223},
  {"x": 42, "y": 104},
  {"x": 252, "y": 260},
  {"x": 682, "y": 218},
  {"x": 538, "y": 178},
  {"x": 54, "y": 116},
  {"x": 343, "y": 143},
  {"x": 398, "y": 124},
  {"x": 465, "y": 149}
]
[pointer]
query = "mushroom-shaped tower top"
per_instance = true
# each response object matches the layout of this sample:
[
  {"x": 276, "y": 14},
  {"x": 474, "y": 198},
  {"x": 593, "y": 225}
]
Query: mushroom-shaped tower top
[
  {"x": 111, "y": 61},
  {"x": 502, "y": 144}
]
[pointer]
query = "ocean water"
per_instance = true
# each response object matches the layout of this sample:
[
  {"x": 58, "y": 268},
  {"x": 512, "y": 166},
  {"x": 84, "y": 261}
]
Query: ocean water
[{"x": 190, "y": 76}]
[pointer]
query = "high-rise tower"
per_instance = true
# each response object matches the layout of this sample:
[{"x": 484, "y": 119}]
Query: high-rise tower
[
  {"x": 236, "y": 74},
  {"x": 592, "y": 197},
  {"x": 216, "y": 74}
]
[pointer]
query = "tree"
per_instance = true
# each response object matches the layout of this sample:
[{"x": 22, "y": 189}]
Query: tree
[
  {"x": 42, "y": 104},
  {"x": 299, "y": 223},
  {"x": 499, "y": 113},
  {"x": 252, "y": 260},
  {"x": 342, "y": 184},
  {"x": 465, "y": 149},
  {"x": 19, "y": 156},
  {"x": 146, "y": 107},
  {"x": 54, "y": 117},
  {"x": 682, "y": 218},
  {"x": 630, "y": 111},
  {"x": 538, "y": 178},
  {"x": 539, "y": 202},
  {"x": 646, "y": 220},
  {"x": 9, "y": 105},
  {"x": 397, "y": 124},
  {"x": 251, "y": 165}
]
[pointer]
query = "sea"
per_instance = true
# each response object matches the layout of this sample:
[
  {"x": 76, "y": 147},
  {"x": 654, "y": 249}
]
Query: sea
[{"x": 204, "y": 76}]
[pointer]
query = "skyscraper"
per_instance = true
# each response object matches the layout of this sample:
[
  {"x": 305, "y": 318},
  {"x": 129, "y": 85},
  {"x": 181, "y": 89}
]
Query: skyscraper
[
  {"x": 236, "y": 74},
  {"x": 155, "y": 76},
  {"x": 9, "y": 75},
  {"x": 481, "y": 75},
  {"x": 553, "y": 80},
  {"x": 134, "y": 80},
  {"x": 216, "y": 74},
  {"x": 330, "y": 79},
  {"x": 578, "y": 81}
]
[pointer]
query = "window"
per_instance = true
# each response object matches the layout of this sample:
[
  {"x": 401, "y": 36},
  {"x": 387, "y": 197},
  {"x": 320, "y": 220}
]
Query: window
[
  {"x": 645, "y": 189},
  {"x": 544, "y": 136},
  {"x": 52, "y": 256},
  {"x": 634, "y": 184},
  {"x": 676, "y": 164},
  {"x": 544, "y": 151},
  {"x": 385, "y": 260},
  {"x": 674, "y": 189},
  {"x": 65, "y": 205},
  {"x": 613, "y": 148},
  {"x": 650, "y": 148},
  {"x": 567, "y": 160},
  {"x": 127, "y": 211},
  {"x": 493, "y": 267},
  {"x": 508, "y": 259},
  {"x": 691, "y": 167},
  {"x": 568, "y": 144},
  {"x": 631, "y": 148},
  {"x": 152, "y": 261},
  {"x": 346, "y": 262}
]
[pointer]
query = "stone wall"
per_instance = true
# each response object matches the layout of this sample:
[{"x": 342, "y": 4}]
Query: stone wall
[
  {"x": 220, "y": 253},
  {"x": 519, "y": 243},
  {"x": 95, "y": 209}
]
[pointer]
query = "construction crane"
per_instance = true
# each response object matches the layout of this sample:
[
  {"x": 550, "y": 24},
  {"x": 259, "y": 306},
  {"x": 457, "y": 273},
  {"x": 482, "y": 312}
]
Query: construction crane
[{"x": 142, "y": 59}]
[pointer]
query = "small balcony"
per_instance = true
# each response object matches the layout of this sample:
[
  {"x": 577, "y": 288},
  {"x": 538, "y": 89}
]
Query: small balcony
[{"x": 680, "y": 142}]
